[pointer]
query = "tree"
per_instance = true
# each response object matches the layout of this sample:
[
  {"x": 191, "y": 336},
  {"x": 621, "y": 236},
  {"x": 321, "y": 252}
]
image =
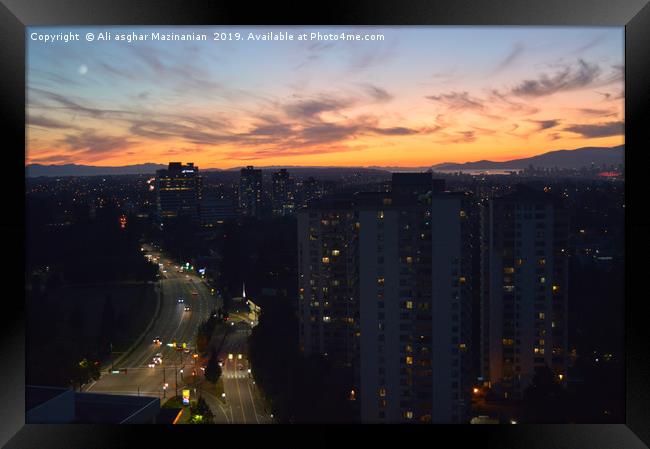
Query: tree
[
  {"x": 76, "y": 318},
  {"x": 108, "y": 319},
  {"x": 201, "y": 413},
  {"x": 213, "y": 370},
  {"x": 84, "y": 372},
  {"x": 545, "y": 400},
  {"x": 203, "y": 409}
]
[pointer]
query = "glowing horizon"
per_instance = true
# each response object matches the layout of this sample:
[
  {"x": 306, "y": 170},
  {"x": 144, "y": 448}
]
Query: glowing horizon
[{"x": 420, "y": 97}]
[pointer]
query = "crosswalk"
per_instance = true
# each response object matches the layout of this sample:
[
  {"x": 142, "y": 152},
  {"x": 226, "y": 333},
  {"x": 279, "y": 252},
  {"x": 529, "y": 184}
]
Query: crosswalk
[{"x": 235, "y": 375}]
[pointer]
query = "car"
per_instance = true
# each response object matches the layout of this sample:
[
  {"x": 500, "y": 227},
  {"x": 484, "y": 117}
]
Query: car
[
  {"x": 156, "y": 361},
  {"x": 157, "y": 341},
  {"x": 152, "y": 365},
  {"x": 159, "y": 355},
  {"x": 181, "y": 300},
  {"x": 187, "y": 308}
]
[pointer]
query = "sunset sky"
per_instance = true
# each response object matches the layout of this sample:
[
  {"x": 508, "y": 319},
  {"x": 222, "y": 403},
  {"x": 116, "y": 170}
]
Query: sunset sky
[{"x": 423, "y": 96}]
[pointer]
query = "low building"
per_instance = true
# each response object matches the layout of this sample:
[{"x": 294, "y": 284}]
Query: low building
[{"x": 56, "y": 405}]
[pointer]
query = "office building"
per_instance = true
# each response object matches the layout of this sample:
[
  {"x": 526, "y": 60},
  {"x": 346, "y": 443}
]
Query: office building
[
  {"x": 250, "y": 192},
  {"x": 384, "y": 287},
  {"x": 524, "y": 295},
  {"x": 311, "y": 190},
  {"x": 215, "y": 210},
  {"x": 283, "y": 193},
  {"x": 178, "y": 192}
]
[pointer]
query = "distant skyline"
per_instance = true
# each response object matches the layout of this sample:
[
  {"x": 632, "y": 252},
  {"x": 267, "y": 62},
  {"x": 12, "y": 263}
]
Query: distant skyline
[{"x": 422, "y": 96}]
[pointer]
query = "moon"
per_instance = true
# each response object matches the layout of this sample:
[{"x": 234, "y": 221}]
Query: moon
[{"x": 83, "y": 69}]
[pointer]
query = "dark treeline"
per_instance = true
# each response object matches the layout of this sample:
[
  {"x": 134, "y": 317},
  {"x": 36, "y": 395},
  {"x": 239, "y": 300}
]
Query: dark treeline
[
  {"x": 596, "y": 399},
  {"x": 300, "y": 388},
  {"x": 77, "y": 248},
  {"x": 262, "y": 255},
  {"x": 86, "y": 249}
]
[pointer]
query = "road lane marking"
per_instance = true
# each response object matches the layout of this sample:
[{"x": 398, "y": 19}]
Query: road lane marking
[{"x": 248, "y": 384}]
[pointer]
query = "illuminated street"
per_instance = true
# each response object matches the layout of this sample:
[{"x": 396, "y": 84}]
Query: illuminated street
[{"x": 173, "y": 324}]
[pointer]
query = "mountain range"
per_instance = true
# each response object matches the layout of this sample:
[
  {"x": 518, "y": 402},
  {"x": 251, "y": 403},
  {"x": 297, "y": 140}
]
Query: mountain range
[
  {"x": 562, "y": 159},
  {"x": 36, "y": 170}
]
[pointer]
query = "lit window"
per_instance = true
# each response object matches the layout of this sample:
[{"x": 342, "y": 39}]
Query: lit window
[
  {"x": 509, "y": 270},
  {"x": 326, "y": 260},
  {"x": 462, "y": 347},
  {"x": 409, "y": 304},
  {"x": 541, "y": 315},
  {"x": 542, "y": 261},
  {"x": 409, "y": 259},
  {"x": 326, "y": 319},
  {"x": 409, "y": 414},
  {"x": 409, "y": 348},
  {"x": 409, "y": 360},
  {"x": 353, "y": 395},
  {"x": 541, "y": 342},
  {"x": 382, "y": 392},
  {"x": 463, "y": 214},
  {"x": 335, "y": 252},
  {"x": 507, "y": 341},
  {"x": 380, "y": 214},
  {"x": 556, "y": 288},
  {"x": 520, "y": 261},
  {"x": 542, "y": 280},
  {"x": 462, "y": 279},
  {"x": 388, "y": 201},
  {"x": 380, "y": 281}
]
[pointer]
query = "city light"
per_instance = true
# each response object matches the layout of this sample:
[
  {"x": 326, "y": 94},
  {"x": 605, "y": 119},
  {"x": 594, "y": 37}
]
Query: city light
[{"x": 388, "y": 240}]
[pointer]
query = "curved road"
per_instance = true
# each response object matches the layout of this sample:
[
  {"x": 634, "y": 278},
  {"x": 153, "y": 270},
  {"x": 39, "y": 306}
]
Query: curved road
[{"x": 172, "y": 324}]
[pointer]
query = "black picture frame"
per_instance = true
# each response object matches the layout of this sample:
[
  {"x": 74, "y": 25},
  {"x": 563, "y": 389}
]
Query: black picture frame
[{"x": 15, "y": 15}]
